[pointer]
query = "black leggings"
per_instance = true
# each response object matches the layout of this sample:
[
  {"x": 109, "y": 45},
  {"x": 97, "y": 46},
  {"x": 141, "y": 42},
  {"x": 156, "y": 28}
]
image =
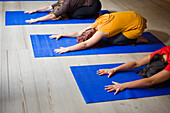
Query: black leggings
[
  {"x": 120, "y": 39},
  {"x": 87, "y": 12}
]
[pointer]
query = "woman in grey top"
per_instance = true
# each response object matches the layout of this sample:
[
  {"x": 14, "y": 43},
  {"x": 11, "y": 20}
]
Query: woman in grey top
[{"x": 78, "y": 9}]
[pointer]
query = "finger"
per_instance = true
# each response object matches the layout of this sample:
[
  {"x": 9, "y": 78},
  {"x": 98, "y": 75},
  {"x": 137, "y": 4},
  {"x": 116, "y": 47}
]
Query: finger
[
  {"x": 110, "y": 90},
  {"x": 53, "y": 36},
  {"x": 57, "y": 37},
  {"x": 61, "y": 52},
  {"x": 56, "y": 50},
  {"x": 30, "y": 12},
  {"x": 101, "y": 73},
  {"x": 27, "y": 21},
  {"x": 106, "y": 86},
  {"x": 117, "y": 90},
  {"x": 111, "y": 86},
  {"x": 114, "y": 82},
  {"x": 110, "y": 74},
  {"x": 98, "y": 72}
]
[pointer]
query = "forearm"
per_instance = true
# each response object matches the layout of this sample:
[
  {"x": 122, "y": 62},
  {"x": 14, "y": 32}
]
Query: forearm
[
  {"x": 126, "y": 66},
  {"x": 155, "y": 79},
  {"x": 128, "y": 85},
  {"x": 134, "y": 64},
  {"x": 83, "y": 45},
  {"x": 46, "y": 8},
  {"x": 76, "y": 47},
  {"x": 138, "y": 83},
  {"x": 47, "y": 17},
  {"x": 88, "y": 43},
  {"x": 76, "y": 33},
  {"x": 71, "y": 34}
]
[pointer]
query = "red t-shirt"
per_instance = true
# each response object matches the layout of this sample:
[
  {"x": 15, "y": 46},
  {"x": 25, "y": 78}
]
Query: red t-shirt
[{"x": 164, "y": 50}]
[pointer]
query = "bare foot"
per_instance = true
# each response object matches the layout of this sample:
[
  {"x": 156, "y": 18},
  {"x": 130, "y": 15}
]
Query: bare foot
[{"x": 141, "y": 39}]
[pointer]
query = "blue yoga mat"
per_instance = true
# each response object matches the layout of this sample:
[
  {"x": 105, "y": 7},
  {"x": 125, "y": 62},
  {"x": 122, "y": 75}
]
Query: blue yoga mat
[
  {"x": 19, "y": 17},
  {"x": 43, "y": 46},
  {"x": 92, "y": 85}
]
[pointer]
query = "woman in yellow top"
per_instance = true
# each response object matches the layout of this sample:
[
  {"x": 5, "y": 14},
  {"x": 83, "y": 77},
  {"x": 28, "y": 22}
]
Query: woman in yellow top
[{"x": 119, "y": 28}]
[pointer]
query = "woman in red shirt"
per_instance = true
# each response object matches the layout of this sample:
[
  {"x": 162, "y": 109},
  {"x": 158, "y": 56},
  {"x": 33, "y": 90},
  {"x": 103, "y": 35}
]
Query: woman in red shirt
[{"x": 157, "y": 78}]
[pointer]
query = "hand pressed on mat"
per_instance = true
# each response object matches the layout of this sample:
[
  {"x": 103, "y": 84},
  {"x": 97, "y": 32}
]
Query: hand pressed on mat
[
  {"x": 31, "y": 21},
  {"x": 110, "y": 72},
  {"x": 56, "y": 36},
  {"x": 61, "y": 50},
  {"x": 117, "y": 87},
  {"x": 30, "y": 12}
]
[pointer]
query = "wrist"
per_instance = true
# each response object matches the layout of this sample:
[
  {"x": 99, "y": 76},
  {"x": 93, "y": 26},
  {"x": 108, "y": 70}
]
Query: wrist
[
  {"x": 62, "y": 35},
  {"x": 124, "y": 86},
  {"x": 67, "y": 49},
  {"x": 36, "y": 20},
  {"x": 114, "y": 69},
  {"x": 34, "y": 11}
]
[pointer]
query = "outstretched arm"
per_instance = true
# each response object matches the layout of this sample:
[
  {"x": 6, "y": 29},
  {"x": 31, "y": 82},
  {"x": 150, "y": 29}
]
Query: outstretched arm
[
  {"x": 71, "y": 34},
  {"x": 83, "y": 45},
  {"x": 126, "y": 66},
  {"x": 47, "y": 17},
  {"x": 46, "y": 8},
  {"x": 155, "y": 79}
]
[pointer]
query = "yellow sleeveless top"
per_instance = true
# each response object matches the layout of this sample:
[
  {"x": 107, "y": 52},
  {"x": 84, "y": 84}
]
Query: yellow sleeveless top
[{"x": 130, "y": 23}]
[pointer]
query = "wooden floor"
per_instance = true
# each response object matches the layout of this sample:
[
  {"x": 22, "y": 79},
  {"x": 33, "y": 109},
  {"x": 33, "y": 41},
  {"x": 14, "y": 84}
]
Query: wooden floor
[{"x": 46, "y": 85}]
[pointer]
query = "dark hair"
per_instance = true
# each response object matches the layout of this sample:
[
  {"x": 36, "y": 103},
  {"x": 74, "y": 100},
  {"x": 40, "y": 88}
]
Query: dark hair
[
  {"x": 88, "y": 34},
  {"x": 156, "y": 64}
]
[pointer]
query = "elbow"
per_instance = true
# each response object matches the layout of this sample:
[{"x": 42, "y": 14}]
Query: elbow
[
  {"x": 85, "y": 45},
  {"x": 137, "y": 64},
  {"x": 150, "y": 82}
]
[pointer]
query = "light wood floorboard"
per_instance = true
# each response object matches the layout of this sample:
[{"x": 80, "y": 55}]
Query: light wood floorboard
[{"x": 46, "y": 85}]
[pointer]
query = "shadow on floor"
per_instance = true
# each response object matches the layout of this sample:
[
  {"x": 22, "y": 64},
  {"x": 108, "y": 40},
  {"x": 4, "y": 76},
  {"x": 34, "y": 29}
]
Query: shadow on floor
[{"x": 164, "y": 37}]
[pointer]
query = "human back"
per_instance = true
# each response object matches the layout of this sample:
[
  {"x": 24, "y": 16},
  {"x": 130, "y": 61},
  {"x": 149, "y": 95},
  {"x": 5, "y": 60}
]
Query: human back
[{"x": 115, "y": 23}]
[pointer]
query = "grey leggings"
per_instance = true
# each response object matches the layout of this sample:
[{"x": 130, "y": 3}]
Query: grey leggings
[{"x": 120, "y": 39}]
